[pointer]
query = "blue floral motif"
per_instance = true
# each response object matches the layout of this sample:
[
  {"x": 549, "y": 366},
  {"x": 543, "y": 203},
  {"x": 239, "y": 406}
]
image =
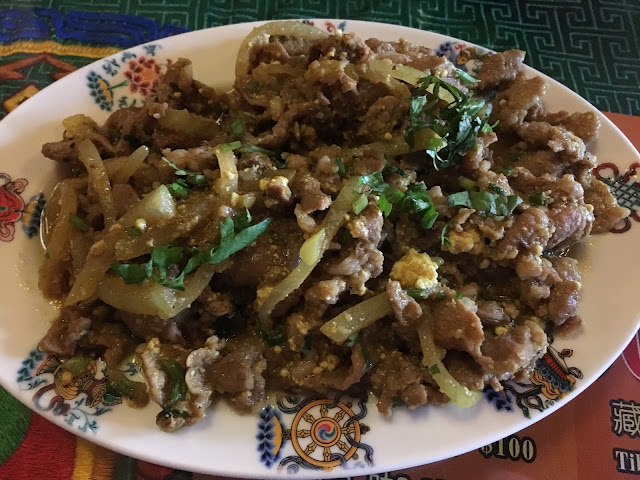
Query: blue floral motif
[
  {"x": 131, "y": 69},
  {"x": 100, "y": 90},
  {"x": 79, "y": 400},
  {"x": 111, "y": 66},
  {"x": 501, "y": 400},
  {"x": 267, "y": 419},
  {"x": 463, "y": 56},
  {"x": 32, "y": 215},
  {"x": 151, "y": 49}
]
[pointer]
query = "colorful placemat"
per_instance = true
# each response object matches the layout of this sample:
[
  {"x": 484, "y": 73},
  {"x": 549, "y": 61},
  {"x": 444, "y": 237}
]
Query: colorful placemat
[{"x": 591, "y": 46}]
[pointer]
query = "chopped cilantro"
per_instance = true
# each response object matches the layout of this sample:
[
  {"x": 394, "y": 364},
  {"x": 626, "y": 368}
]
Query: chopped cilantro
[
  {"x": 279, "y": 160},
  {"x": 253, "y": 86},
  {"x": 433, "y": 369},
  {"x": 459, "y": 295},
  {"x": 119, "y": 384},
  {"x": 444, "y": 240},
  {"x": 384, "y": 205},
  {"x": 166, "y": 256},
  {"x": 486, "y": 202},
  {"x": 395, "y": 169},
  {"x": 456, "y": 124},
  {"x": 175, "y": 373},
  {"x": 465, "y": 77},
  {"x": 486, "y": 128},
  {"x": 355, "y": 339},
  {"x": 496, "y": 189},
  {"x": 133, "y": 272},
  {"x": 275, "y": 336},
  {"x": 341, "y": 170},
  {"x": 249, "y": 148},
  {"x": 234, "y": 236},
  {"x": 178, "y": 189},
  {"x": 415, "y": 200},
  {"x": 237, "y": 128},
  {"x": 132, "y": 231},
  {"x": 540, "y": 198},
  {"x": 78, "y": 223},
  {"x": 375, "y": 182},
  {"x": 417, "y": 293},
  {"x": 506, "y": 171},
  {"x": 167, "y": 413},
  {"x": 243, "y": 220},
  {"x": 515, "y": 156}
]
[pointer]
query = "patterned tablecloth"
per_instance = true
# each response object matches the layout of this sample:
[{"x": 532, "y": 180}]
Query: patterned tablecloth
[{"x": 591, "y": 46}]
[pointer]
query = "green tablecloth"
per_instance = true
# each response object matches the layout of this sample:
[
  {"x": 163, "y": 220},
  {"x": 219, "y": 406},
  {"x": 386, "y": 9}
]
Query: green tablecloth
[{"x": 592, "y": 46}]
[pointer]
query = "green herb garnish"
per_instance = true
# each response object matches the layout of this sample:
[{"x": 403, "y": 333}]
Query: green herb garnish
[
  {"x": 465, "y": 77},
  {"x": 275, "y": 336},
  {"x": 253, "y": 86},
  {"x": 78, "y": 223},
  {"x": 433, "y": 369},
  {"x": 496, "y": 189},
  {"x": 133, "y": 272},
  {"x": 444, "y": 240},
  {"x": 237, "y": 128},
  {"x": 395, "y": 169},
  {"x": 417, "y": 293},
  {"x": 415, "y": 200},
  {"x": 234, "y": 236},
  {"x": 187, "y": 178},
  {"x": 341, "y": 170},
  {"x": 457, "y": 124},
  {"x": 355, "y": 339},
  {"x": 175, "y": 373},
  {"x": 485, "y": 202},
  {"x": 178, "y": 189},
  {"x": 540, "y": 198},
  {"x": 132, "y": 231},
  {"x": 279, "y": 160}
]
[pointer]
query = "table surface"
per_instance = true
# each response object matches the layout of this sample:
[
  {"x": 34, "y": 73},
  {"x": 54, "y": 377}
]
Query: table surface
[{"x": 592, "y": 46}]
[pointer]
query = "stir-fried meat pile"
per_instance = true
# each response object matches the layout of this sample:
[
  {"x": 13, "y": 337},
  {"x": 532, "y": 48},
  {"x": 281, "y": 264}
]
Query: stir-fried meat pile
[{"x": 353, "y": 216}]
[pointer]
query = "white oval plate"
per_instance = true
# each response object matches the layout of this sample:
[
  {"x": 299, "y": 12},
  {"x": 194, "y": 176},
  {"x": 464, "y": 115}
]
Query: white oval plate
[{"x": 248, "y": 446}]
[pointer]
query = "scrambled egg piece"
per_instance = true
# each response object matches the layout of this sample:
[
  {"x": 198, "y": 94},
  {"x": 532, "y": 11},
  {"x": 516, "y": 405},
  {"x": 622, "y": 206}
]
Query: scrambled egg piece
[
  {"x": 464, "y": 241},
  {"x": 415, "y": 270}
]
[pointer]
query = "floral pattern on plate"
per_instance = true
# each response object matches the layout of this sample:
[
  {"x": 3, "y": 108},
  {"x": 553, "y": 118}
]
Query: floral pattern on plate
[
  {"x": 136, "y": 69},
  {"x": 79, "y": 397}
]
